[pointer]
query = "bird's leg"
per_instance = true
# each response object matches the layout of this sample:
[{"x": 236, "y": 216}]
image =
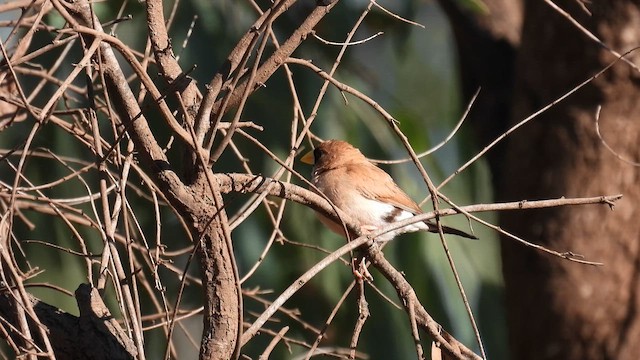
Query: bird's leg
[{"x": 359, "y": 268}]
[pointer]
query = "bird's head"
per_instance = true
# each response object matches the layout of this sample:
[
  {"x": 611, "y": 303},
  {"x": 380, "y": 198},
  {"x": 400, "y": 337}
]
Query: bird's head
[{"x": 331, "y": 154}]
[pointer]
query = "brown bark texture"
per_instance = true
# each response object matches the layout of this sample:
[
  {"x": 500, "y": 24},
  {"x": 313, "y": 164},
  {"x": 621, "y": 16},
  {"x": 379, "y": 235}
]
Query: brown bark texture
[
  {"x": 558, "y": 309},
  {"x": 95, "y": 334},
  {"x": 487, "y": 44}
]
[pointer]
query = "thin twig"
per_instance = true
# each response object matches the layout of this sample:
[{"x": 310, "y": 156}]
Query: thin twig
[
  {"x": 442, "y": 143},
  {"x": 606, "y": 145},
  {"x": 363, "y": 315},
  {"x": 396, "y": 16},
  {"x": 276, "y": 339},
  {"x": 351, "y": 43},
  {"x": 528, "y": 119},
  {"x": 590, "y": 35}
]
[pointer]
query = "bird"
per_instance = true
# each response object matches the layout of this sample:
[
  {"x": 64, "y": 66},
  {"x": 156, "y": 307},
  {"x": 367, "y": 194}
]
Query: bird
[{"x": 364, "y": 192}]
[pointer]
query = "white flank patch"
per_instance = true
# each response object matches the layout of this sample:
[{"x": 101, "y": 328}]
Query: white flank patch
[{"x": 373, "y": 213}]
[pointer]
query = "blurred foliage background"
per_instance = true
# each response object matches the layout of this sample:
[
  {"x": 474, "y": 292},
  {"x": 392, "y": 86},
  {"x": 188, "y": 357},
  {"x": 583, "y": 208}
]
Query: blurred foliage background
[{"x": 411, "y": 72}]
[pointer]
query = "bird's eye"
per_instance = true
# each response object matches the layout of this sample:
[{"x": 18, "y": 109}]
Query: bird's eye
[{"x": 317, "y": 154}]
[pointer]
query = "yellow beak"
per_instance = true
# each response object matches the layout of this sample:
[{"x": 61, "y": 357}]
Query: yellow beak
[{"x": 307, "y": 158}]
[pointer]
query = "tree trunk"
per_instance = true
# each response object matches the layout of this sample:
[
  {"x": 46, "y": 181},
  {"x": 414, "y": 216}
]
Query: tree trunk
[
  {"x": 559, "y": 309},
  {"x": 487, "y": 46}
]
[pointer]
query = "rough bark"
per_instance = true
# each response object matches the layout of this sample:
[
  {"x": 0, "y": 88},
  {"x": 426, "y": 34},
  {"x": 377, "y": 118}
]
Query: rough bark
[
  {"x": 95, "y": 334},
  {"x": 558, "y": 309}
]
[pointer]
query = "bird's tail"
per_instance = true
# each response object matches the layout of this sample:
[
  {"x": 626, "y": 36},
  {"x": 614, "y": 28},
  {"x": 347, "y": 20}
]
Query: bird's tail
[{"x": 453, "y": 231}]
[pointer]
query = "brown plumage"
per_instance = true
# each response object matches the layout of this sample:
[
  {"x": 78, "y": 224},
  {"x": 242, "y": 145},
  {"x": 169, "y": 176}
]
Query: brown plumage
[{"x": 364, "y": 191}]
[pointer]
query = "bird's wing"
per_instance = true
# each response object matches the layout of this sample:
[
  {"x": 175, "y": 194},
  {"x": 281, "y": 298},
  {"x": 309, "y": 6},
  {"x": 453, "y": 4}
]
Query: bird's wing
[{"x": 378, "y": 185}]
